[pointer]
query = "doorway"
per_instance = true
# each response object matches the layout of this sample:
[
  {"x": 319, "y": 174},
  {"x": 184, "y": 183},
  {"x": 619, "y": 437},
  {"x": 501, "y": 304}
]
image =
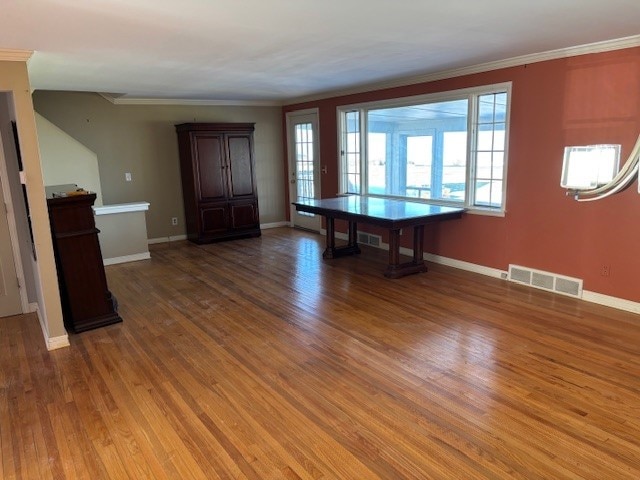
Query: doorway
[
  {"x": 10, "y": 295},
  {"x": 304, "y": 165}
]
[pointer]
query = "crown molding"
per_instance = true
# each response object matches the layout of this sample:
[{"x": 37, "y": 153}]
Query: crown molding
[
  {"x": 8, "y": 55},
  {"x": 186, "y": 102},
  {"x": 598, "y": 47}
]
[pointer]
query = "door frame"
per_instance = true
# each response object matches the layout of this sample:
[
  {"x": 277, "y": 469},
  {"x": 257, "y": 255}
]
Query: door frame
[
  {"x": 291, "y": 160},
  {"x": 13, "y": 229}
]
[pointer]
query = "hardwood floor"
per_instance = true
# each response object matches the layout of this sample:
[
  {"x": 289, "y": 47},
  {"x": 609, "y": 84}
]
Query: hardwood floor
[{"x": 257, "y": 359}]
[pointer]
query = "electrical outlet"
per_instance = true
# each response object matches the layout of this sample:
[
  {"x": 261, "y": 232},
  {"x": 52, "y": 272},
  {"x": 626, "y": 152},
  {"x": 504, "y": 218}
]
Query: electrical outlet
[
  {"x": 174, "y": 221},
  {"x": 605, "y": 271}
]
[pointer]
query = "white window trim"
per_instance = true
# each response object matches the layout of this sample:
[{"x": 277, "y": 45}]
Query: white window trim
[{"x": 427, "y": 98}]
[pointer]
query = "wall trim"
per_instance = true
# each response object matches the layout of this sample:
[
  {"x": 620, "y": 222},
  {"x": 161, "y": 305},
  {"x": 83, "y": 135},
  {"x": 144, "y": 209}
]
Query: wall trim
[
  {"x": 52, "y": 343},
  {"x": 266, "y": 226},
  {"x": 14, "y": 55},
  {"x": 126, "y": 258},
  {"x": 460, "y": 264},
  {"x": 55, "y": 343},
  {"x": 597, "y": 47},
  {"x": 188, "y": 102},
  {"x": 120, "y": 208},
  {"x": 609, "y": 301},
  {"x": 173, "y": 238}
]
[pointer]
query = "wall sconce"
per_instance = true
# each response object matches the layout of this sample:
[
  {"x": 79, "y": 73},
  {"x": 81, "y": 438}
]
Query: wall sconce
[
  {"x": 591, "y": 172},
  {"x": 590, "y": 166}
]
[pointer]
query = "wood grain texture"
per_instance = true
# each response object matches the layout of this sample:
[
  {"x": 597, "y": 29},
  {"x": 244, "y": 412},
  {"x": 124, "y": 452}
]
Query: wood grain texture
[{"x": 257, "y": 359}]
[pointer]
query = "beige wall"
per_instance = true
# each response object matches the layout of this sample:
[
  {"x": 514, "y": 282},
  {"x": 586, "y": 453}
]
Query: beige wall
[
  {"x": 141, "y": 139},
  {"x": 15, "y": 80},
  {"x": 65, "y": 160},
  {"x": 122, "y": 234},
  {"x": 17, "y": 196}
]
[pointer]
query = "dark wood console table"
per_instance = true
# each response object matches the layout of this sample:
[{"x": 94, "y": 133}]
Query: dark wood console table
[{"x": 383, "y": 212}]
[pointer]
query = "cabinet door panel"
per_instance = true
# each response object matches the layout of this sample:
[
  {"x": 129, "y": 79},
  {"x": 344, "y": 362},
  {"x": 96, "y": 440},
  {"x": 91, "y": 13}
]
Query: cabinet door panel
[
  {"x": 211, "y": 167},
  {"x": 240, "y": 166},
  {"x": 244, "y": 215},
  {"x": 213, "y": 218}
]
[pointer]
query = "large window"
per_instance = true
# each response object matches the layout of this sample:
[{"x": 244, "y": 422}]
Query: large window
[{"x": 447, "y": 148}]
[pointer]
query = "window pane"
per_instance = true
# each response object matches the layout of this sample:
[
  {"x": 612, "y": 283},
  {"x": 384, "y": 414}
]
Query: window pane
[
  {"x": 483, "y": 165},
  {"x": 501, "y": 107},
  {"x": 489, "y": 150},
  {"x": 486, "y": 109},
  {"x": 377, "y": 155},
  {"x": 498, "y": 136},
  {"x": 488, "y": 193},
  {"x": 485, "y": 137},
  {"x": 419, "y": 161},
  {"x": 454, "y": 169},
  {"x": 498, "y": 165},
  {"x": 424, "y": 152},
  {"x": 351, "y": 152}
]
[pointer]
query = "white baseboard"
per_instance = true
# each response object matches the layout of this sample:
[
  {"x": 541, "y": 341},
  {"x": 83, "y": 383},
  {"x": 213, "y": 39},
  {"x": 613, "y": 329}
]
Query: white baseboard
[
  {"x": 126, "y": 258},
  {"x": 52, "y": 343},
  {"x": 609, "y": 301},
  {"x": 32, "y": 307},
  {"x": 58, "y": 342},
  {"x": 266, "y": 226},
  {"x": 470, "y": 267},
  {"x": 174, "y": 238}
]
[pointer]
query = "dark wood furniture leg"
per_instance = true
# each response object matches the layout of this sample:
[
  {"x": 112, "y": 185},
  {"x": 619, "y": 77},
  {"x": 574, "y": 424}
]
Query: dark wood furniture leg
[
  {"x": 418, "y": 245},
  {"x": 329, "y": 252},
  {"x": 394, "y": 254},
  {"x": 353, "y": 235},
  {"x": 395, "y": 269},
  {"x": 352, "y": 246}
]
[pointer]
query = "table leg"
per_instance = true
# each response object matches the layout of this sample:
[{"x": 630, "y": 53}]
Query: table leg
[
  {"x": 395, "y": 269},
  {"x": 418, "y": 244},
  {"x": 351, "y": 248},
  {"x": 331, "y": 239},
  {"x": 353, "y": 234},
  {"x": 394, "y": 254}
]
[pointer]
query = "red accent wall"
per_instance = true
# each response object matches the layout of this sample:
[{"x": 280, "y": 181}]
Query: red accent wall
[{"x": 581, "y": 100}]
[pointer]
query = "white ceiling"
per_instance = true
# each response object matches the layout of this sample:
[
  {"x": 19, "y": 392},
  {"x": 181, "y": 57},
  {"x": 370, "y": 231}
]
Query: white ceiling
[{"x": 277, "y": 50}]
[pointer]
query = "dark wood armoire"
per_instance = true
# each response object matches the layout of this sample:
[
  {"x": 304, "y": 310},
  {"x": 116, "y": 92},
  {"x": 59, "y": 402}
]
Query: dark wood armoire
[
  {"x": 86, "y": 300},
  {"x": 218, "y": 180}
]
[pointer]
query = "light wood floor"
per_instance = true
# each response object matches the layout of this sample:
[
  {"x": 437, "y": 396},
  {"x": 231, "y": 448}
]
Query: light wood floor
[{"x": 256, "y": 359}]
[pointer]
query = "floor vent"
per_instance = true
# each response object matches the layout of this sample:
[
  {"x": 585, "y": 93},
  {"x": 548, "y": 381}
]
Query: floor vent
[
  {"x": 369, "y": 239},
  {"x": 551, "y": 282}
]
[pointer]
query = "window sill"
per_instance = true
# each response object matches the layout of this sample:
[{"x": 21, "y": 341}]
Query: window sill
[{"x": 486, "y": 212}]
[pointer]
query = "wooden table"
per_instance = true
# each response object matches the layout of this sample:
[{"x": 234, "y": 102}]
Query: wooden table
[{"x": 391, "y": 214}]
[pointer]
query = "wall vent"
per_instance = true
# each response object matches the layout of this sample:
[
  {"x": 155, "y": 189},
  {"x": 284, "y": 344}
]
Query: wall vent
[
  {"x": 551, "y": 282},
  {"x": 369, "y": 239}
]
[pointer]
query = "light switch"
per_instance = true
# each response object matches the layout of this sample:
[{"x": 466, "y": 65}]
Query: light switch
[{"x": 127, "y": 176}]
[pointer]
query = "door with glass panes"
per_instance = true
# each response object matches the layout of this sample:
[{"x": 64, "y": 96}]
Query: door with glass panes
[{"x": 304, "y": 165}]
